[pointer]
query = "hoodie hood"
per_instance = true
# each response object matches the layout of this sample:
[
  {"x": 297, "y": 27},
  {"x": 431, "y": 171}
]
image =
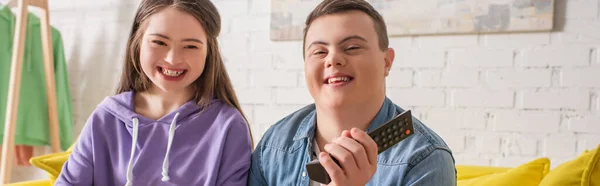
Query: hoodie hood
[{"x": 122, "y": 106}]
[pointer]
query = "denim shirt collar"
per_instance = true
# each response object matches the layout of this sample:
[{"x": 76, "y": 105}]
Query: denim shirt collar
[{"x": 307, "y": 127}]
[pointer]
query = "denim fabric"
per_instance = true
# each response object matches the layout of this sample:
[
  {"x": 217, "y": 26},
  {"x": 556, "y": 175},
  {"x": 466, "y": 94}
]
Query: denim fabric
[{"x": 284, "y": 150}]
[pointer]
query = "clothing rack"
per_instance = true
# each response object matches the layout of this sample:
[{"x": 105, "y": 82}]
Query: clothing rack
[{"x": 15, "y": 83}]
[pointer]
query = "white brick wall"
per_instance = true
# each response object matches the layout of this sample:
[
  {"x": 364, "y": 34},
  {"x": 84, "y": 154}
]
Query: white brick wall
[
  {"x": 497, "y": 99},
  {"x": 557, "y": 99}
]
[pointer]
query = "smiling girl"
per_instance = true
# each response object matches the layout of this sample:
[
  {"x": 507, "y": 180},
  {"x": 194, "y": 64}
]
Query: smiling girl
[{"x": 175, "y": 119}]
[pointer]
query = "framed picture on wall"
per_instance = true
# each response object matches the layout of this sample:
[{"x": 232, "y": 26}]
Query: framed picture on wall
[{"x": 427, "y": 17}]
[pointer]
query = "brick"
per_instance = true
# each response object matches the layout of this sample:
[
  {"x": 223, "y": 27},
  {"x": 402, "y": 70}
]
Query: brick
[
  {"x": 417, "y": 97},
  {"x": 420, "y": 59},
  {"x": 581, "y": 146},
  {"x": 585, "y": 124},
  {"x": 239, "y": 77},
  {"x": 581, "y": 9},
  {"x": 65, "y": 18},
  {"x": 55, "y": 5},
  {"x": 519, "y": 78},
  {"x": 259, "y": 60},
  {"x": 455, "y": 142},
  {"x": 301, "y": 80},
  {"x": 288, "y": 55},
  {"x": 471, "y": 158},
  {"x": 481, "y": 58},
  {"x": 596, "y": 101},
  {"x": 526, "y": 121},
  {"x": 519, "y": 146},
  {"x": 261, "y": 8},
  {"x": 108, "y": 14},
  {"x": 581, "y": 77},
  {"x": 560, "y": 146},
  {"x": 488, "y": 144},
  {"x": 457, "y": 118},
  {"x": 463, "y": 77},
  {"x": 595, "y": 57},
  {"x": 556, "y": 99},
  {"x": 483, "y": 98},
  {"x": 231, "y": 8},
  {"x": 587, "y": 142},
  {"x": 253, "y": 23},
  {"x": 95, "y": 5},
  {"x": 399, "y": 78},
  {"x": 477, "y": 161},
  {"x": 516, "y": 40},
  {"x": 400, "y": 44},
  {"x": 248, "y": 111},
  {"x": 109, "y": 33},
  {"x": 556, "y": 56},
  {"x": 293, "y": 96},
  {"x": 270, "y": 78},
  {"x": 512, "y": 161},
  {"x": 447, "y": 41},
  {"x": 253, "y": 95},
  {"x": 260, "y": 42},
  {"x": 428, "y": 78},
  {"x": 578, "y": 31},
  {"x": 234, "y": 50}
]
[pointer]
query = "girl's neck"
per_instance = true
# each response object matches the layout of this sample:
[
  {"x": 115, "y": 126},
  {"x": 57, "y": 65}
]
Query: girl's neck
[{"x": 155, "y": 103}]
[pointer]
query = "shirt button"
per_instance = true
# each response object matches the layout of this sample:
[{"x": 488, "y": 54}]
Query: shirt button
[{"x": 303, "y": 173}]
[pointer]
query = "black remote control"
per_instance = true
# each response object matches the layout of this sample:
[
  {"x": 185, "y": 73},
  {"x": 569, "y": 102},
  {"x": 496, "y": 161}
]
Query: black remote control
[{"x": 386, "y": 136}]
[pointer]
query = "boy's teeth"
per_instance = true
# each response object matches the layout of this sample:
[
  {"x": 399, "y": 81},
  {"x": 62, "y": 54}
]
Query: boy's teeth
[
  {"x": 338, "y": 79},
  {"x": 171, "y": 72}
]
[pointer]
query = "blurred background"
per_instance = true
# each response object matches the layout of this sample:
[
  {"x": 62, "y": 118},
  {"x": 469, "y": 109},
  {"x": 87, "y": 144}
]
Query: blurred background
[{"x": 498, "y": 99}]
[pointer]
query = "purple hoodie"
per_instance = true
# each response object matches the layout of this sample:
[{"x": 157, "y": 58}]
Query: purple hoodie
[{"x": 187, "y": 147}]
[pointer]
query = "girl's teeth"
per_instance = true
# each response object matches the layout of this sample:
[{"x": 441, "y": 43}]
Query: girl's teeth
[{"x": 171, "y": 72}]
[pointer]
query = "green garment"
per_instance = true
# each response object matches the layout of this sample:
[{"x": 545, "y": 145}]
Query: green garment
[{"x": 32, "y": 127}]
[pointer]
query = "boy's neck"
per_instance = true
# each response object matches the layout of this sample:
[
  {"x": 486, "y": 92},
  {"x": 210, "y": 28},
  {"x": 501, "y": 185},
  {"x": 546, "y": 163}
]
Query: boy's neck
[
  {"x": 155, "y": 103},
  {"x": 332, "y": 121}
]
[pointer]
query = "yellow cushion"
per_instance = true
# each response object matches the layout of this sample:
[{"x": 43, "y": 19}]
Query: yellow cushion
[
  {"x": 464, "y": 172},
  {"x": 31, "y": 183},
  {"x": 530, "y": 173},
  {"x": 581, "y": 171},
  {"x": 52, "y": 163}
]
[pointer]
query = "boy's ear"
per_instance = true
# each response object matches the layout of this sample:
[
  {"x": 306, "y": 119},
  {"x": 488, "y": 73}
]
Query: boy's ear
[{"x": 389, "y": 60}]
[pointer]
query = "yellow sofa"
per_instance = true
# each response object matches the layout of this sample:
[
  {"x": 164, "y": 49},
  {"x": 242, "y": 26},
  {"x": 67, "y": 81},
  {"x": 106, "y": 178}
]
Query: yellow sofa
[{"x": 583, "y": 170}]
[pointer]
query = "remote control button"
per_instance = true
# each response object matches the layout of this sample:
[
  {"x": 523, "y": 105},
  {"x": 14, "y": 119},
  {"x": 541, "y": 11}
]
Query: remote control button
[
  {"x": 407, "y": 131},
  {"x": 397, "y": 138},
  {"x": 388, "y": 130},
  {"x": 395, "y": 133}
]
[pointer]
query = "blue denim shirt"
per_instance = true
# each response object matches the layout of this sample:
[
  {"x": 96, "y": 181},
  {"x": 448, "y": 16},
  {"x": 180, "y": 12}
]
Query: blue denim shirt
[{"x": 284, "y": 150}]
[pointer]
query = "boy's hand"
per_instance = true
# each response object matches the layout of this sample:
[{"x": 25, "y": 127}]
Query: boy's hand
[{"x": 356, "y": 152}]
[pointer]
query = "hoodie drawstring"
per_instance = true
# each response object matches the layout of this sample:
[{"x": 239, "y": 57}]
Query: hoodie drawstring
[
  {"x": 165, "y": 167},
  {"x": 133, "y": 142}
]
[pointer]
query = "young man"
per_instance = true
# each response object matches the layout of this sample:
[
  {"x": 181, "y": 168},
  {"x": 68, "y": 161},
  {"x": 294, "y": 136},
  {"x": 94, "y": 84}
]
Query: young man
[{"x": 346, "y": 61}]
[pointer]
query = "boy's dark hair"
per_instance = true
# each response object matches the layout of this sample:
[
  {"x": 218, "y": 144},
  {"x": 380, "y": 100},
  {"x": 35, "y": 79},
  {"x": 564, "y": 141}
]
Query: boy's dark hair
[{"x": 328, "y": 7}]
